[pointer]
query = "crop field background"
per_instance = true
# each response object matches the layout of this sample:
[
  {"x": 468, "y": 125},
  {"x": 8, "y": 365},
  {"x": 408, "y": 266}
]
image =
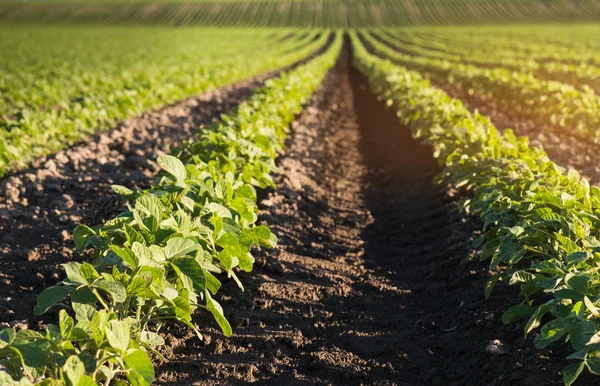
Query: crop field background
[{"x": 369, "y": 192}]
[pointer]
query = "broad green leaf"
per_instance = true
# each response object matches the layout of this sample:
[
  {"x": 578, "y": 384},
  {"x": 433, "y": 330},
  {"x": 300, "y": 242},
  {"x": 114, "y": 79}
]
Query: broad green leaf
[
  {"x": 571, "y": 372},
  {"x": 217, "y": 312},
  {"x": 551, "y": 332},
  {"x": 590, "y": 306},
  {"x": 7, "y": 336},
  {"x": 75, "y": 369},
  {"x": 33, "y": 356},
  {"x": 517, "y": 312},
  {"x": 123, "y": 191},
  {"x": 535, "y": 319},
  {"x": 49, "y": 297},
  {"x": 114, "y": 288},
  {"x": 81, "y": 235},
  {"x": 126, "y": 255},
  {"x": 118, "y": 334},
  {"x": 152, "y": 338},
  {"x": 173, "y": 166},
  {"x": 179, "y": 247},
  {"x": 139, "y": 283},
  {"x": 138, "y": 361},
  {"x": 491, "y": 283},
  {"x": 190, "y": 268},
  {"x": 80, "y": 273},
  {"x": 218, "y": 209},
  {"x": 66, "y": 324},
  {"x": 593, "y": 363}
]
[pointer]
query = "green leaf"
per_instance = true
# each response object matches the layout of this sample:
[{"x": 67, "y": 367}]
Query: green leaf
[
  {"x": 126, "y": 255},
  {"x": 80, "y": 273},
  {"x": 152, "y": 338},
  {"x": 218, "y": 209},
  {"x": 212, "y": 283},
  {"x": 139, "y": 283},
  {"x": 593, "y": 363},
  {"x": 217, "y": 312},
  {"x": 520, "y": 277},
  {"x": 151, "y": 206},
  {"x": 66, "y": 324},
  {"x": 577, "y": 257},
  {"x": 7, "y": 336},
  {"x": 590, "y": 306},
  {"x": 49, "y": 297},
  {"x": 133, "y": 236},
  {"x": 551, "y": 332},
  {"x": 536, "y": 318},
  {"x": 179, "y": 247},
  {"x": 264, "y": 236},
  {"x": 190, "y": 268},
  {"x": 173, "y": 166},
  {"x": 123, "y": 191},
  {"x": 579, "y": 284},
  {"x": 81, "y": 235},
  {"x": 118, "y": 335},
  {"x": 75, "y": 369},
  {"x": 114, "y": 288},
  {"x": 491, "y": 283},
  {"x": 517, "y": 312},
  {"x": 571, "y": 372},
  {"x": 33, "y": 356},
  {"x": 138, "y": 361}
]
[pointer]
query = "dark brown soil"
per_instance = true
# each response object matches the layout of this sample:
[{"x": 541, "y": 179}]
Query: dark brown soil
[{"x": 374, "y": 280}]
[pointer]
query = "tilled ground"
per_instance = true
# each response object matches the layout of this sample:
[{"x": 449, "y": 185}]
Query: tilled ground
[{"x": 374, "y": 281}]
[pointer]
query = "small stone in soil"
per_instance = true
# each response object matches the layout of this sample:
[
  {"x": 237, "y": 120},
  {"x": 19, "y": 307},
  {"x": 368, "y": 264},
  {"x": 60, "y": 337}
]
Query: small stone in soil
[{"x": 496, "y": 347}]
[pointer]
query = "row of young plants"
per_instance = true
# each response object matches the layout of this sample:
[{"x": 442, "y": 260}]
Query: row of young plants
[
  {"x": 100, "y": 100},
  {"x": 541, "y": 225},
  {"x": 547, "y": 102},
  {"x": 165, "y": 256},
  {"x": 65, "y": 62},
  {"x": 564, "y": 66},
  {"x": 556, "y": 43}
]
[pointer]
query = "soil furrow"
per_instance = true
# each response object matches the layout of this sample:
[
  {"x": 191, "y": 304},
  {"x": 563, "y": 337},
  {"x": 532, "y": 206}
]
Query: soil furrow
[{"x": 374, "y": 280}]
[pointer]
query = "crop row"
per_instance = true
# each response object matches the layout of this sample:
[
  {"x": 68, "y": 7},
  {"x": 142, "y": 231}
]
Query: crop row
[
  {"x": 98, "y": 100},
  {"x": 572, "y": 67},
  {"x": 160, "y": 260},
  {"x": 297, "y": 13},
  {"x": 541, "y": 226},
  {"x": 548, "y": 102}
]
